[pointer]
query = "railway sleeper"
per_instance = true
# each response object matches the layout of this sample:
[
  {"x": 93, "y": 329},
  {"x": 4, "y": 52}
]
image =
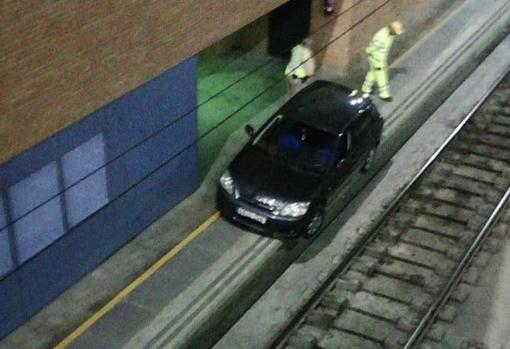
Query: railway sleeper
[
  {"x": 391, "y": 235},
  {"x": 333, "y": 302},
  {"x": 500, "y": 109},
  {"x": 441, "y": 209},
  {"x": 502, "y": 184},
  {"x": 500, "y": 231},
  {"x": 456, "y": 253},
  {"x": 482, "y": 259},
  {"x": 421, "y": 304},
  {"x": 467, "y": 239},
  {"x": 365, "y": 264},
  {"x": 433, "y": 288},
  {"x": 483, "y": 150},
  {"x": 321, "y": 318},
  {"x": 475, "y": 223},
  {"x": 352, "y": 285},
  {"x": 471, "y": 276},
  {"x": 367, "y": 326},
  {"x": 452, "y": 196},
  {"x": 301, "y": 341},
  {"x": 426, "y": 345},
  {"x": 500, "y": 96},
  {"x": 378, "y": 250},
  {"x": 436, "y": 333},
  {"x": 442, "y": 227},
  {"x": 399, "y": 221},
  {"x": 504, "y": 112},
  {"x": 308, "y": 333},
  {"x": 444, "y": 267},
  {"x": 493, "y": 165},
  {"x": 463, "y": 184},
  {"x": 448, "y": 313},
  {"x": 428, "y": 240},
  {"x": 495, "y": 142},
  {"x": 382, "y": 308},
  {"x": 409, "y": 273},
  {"x": 474, "y": 173},
  {"x": 492, "y": 245},
  {"x": 499, "y": 130},
  {"x": 339, "y": 339},
  {"x": 461, "y": 293},
  {"x": 396, "y": 341},
  {"x": 489, "y": 138},
  {"x": 419, "y": 255},
  {"x": 396, "y": 290},
  {"x": 408, "y": 322}
]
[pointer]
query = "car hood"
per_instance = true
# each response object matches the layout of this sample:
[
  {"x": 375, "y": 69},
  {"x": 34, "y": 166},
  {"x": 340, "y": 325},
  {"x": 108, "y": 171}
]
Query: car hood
[{"x": 256, "y": 173}]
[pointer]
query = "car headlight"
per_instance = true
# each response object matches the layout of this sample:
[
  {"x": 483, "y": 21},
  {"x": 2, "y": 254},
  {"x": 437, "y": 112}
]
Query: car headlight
[
  {"x": 294, "y": 209},
  {"x": 227, "y": 182},
  {"x": 284, "y": 208}
]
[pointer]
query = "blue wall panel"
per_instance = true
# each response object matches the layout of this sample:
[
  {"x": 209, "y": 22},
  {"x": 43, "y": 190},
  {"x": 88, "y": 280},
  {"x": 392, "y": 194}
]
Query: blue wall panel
[{"x": 71, "y": 201}]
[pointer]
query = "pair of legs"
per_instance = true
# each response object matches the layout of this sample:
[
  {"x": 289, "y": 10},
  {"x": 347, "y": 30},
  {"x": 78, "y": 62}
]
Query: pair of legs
[
  {"x": 294, "y": 84},
  {"x": 377, "y": 75}
]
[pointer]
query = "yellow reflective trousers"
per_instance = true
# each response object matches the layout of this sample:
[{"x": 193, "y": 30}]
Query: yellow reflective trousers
[{"x": 378, "y": 51}]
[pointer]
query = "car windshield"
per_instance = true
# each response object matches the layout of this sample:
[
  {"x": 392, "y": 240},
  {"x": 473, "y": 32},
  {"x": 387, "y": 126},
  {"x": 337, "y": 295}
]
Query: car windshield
[{"x": 297, "y": 143}]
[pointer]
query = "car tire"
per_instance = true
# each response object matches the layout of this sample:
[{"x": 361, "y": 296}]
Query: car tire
[
  {"x": 369, "y": 160},
  {"x": 314, "y": 224}
]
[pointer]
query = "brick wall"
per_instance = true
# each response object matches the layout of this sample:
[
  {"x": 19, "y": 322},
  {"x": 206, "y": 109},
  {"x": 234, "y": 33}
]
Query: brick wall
[
  {"x": 61, "y": 60},
  {"x": 346, "y": 37}
]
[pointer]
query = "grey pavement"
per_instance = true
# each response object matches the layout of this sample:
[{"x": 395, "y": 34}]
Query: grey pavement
[{"x": 219, "y": 275}]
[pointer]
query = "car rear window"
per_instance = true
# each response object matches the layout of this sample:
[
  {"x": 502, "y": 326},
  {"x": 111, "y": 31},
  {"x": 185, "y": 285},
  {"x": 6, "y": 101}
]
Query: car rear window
[{"x": 297, "y": 143}]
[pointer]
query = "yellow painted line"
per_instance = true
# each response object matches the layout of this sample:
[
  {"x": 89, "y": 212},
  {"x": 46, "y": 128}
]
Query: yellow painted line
[{"x": 137, "y": 282}]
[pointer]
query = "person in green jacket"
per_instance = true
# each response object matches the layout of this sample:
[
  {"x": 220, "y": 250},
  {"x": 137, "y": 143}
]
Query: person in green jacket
[{"x": 378, "y": 51}]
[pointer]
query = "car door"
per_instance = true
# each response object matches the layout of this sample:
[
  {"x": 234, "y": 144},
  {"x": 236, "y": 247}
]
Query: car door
[
  {"x": 339, "y": 177},
  {"x": 359, "y": 139},
  {"x": 362, "y": 129},
  {"x": 376, "y": 124}
]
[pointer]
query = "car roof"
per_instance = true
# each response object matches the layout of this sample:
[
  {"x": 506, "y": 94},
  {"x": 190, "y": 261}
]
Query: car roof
[{"x": 325, "y": 105}]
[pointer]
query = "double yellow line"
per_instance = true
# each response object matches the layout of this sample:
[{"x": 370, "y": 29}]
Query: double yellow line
[{"x": 137, "y": 282}]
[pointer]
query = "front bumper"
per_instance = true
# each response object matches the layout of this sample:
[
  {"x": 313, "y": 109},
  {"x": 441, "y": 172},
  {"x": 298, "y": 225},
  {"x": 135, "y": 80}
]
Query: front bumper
[{"x": 275, "y": 225}]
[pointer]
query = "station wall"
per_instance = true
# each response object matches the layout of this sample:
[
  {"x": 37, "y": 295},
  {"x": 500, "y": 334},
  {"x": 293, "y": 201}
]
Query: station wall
[{"x": 69, "y": 202}]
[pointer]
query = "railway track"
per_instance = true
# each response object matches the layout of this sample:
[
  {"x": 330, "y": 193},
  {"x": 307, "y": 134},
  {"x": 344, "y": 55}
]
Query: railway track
[{"x": 419, "y": 256}]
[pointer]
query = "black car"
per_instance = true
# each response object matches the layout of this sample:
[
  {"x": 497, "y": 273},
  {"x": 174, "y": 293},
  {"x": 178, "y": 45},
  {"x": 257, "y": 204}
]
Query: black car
[{"x": 282, "y": 179}]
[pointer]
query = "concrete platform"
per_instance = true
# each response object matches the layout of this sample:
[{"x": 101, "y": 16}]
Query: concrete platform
[{"x": 218, "y": 273}]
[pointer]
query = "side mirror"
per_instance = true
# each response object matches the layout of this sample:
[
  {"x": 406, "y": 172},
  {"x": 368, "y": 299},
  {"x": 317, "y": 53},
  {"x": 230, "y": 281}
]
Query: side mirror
[{"x": 249, "y": 130}]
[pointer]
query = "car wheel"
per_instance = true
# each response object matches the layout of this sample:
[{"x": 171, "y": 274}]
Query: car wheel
[
  {"x": 314, "y": 224},
  {"x": 369, "y": 160}
]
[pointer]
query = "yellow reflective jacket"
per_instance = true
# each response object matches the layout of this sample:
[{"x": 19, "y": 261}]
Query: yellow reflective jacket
[
  {"x": 301, "y": 63},
  {"x": 379, "y": 48}
]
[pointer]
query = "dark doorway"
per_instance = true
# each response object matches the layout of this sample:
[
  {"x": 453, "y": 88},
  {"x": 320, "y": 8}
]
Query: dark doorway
[{"x": 288, "y": 25}]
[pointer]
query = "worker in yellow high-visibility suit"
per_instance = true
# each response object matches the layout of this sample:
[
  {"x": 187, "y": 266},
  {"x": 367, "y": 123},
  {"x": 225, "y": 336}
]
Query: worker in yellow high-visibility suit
[
  {"x": 301, "y": 66},
  {"x": 378, "y": 51}
]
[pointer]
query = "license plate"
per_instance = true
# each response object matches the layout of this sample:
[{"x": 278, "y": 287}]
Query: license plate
[{"x": 252, "y": 215}]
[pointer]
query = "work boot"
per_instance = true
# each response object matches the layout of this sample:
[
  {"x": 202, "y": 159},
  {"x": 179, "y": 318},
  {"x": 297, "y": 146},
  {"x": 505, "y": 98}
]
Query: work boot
[{"x": 387, "y": 99}]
